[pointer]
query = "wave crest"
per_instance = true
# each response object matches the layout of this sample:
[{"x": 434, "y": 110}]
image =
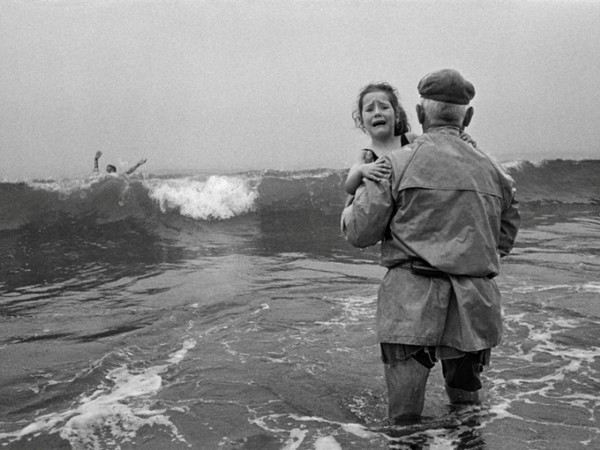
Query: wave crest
[
  {"x": 156, "y": 199},
  {"x": 218, "y": 197}
]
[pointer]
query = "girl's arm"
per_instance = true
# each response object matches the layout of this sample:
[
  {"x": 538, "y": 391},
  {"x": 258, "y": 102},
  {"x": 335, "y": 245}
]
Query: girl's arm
[
  {"x": 354, "y": 179},
  {"x": 355, "y": 175}
]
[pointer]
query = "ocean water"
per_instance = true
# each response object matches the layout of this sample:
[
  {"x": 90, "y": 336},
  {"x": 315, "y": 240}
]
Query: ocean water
[{"x": 227, "y": 312}]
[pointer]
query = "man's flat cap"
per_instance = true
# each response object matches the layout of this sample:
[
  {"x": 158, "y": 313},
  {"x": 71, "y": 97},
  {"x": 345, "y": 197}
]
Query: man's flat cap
[{"x": 446, "y": 85}]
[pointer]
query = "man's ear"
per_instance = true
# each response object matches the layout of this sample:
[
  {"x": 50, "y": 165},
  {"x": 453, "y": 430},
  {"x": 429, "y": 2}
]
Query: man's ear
[
  {"x": 420, "y": 113},
  {"x": 468, "y": 117}
]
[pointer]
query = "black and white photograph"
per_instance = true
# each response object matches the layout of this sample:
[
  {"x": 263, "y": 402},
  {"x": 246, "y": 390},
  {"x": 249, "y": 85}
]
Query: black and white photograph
[{"x": 299, "y": 224}]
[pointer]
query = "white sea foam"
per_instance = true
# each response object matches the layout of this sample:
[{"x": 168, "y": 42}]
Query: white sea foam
[
  {"x": 592, "y": 286},
  {"x": 556, "y": 360},
  {"x": 273, "y": 423},
  {"x": 121, "y": 406},
  {"x": 177, "y": 356},
  {"x": 518, "y": 164},
  {"x": 354, "y": 310},
  {"x": 299, "y": 431},
  {"x": 358, "y": 430},
  {"x": 312, "y": 174},
  {"x": 218, "y": 197},
  {"x": 296, "y": 438},
  {"x": 327, "y": 443},
  {"x": 68, "y": 186}
]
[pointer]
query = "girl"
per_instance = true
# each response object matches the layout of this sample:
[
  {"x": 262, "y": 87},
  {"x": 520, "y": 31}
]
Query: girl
[{"x": 380, "y": 115}]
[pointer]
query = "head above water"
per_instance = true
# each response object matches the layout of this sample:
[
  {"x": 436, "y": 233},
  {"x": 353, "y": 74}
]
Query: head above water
[
  {"x": 402, "y": 125},
  {"x": 111, "y": 169}
]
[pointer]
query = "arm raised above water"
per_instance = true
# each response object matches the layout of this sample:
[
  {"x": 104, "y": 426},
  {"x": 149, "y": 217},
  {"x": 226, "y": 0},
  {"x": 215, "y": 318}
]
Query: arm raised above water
[
  {"x": 138, "y": 164},
  {"x": 96, "y": 158}
]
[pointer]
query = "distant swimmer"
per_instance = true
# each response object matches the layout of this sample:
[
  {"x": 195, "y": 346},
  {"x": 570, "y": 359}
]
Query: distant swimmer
[{"x": 112, "y": 170}]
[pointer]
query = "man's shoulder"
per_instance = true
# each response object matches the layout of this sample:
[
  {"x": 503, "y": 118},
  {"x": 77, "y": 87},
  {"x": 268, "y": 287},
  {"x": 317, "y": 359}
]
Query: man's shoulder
[
  {"x": 406, "y": 153},
  {"x": 400, "y": 159},
  {"x": 401, "y": 154},
  {"x": 407, "y": 149},
  {"x": 447, "y": 141}
]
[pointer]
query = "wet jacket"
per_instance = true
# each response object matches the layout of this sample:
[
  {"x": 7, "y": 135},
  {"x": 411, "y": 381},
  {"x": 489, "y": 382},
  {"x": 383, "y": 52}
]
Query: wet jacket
[{"x": 448, "y": 205}]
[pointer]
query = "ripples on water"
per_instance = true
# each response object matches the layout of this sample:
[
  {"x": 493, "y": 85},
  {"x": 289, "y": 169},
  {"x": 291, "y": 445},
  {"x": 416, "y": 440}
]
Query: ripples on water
[{"x": 258, "y": 333}]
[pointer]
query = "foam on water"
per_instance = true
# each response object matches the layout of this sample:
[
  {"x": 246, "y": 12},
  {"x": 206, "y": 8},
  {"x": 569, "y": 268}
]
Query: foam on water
[
  {"x": 296, "y": 438},
  {"x": 65, "y": 186},
  {"x": 222, "y": 197},
  {"x": 327, "y": 443},
  {"x": 295, "y": 427},
  {"x": 592, "y": 286},
  {"x": 355, "y": 309},
  {"x": 318, "y": 433},
  {"x": 219, "y": 197},
  {"x": 114, "y": 412},
  {"x": 547, "y": 361},
  {"x": 292, "y": 360}
]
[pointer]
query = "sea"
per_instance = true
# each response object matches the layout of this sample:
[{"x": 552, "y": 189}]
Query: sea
[{"x": 227, "y": 312}]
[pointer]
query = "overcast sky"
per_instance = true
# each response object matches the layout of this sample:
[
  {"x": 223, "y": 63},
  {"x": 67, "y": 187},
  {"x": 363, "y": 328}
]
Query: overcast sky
[{"x": 232, "y": 85}]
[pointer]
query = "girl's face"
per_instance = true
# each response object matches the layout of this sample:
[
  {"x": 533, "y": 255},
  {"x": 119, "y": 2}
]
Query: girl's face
[{"x": 378, "y": 115}]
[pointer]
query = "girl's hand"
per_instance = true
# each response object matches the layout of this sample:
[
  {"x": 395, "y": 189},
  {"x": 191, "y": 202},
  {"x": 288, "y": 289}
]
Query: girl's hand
[{"x": 377, "y": 171}]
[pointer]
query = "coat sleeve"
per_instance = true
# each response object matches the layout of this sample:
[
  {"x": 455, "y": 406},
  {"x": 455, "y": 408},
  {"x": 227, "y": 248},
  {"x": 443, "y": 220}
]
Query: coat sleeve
[
  {"x": 510, "y": 219},
  {"x": 367, "y": 214}
]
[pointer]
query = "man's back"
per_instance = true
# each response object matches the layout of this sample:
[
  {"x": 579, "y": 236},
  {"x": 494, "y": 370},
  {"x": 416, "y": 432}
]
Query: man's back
[{"x": 449, "y": 201}]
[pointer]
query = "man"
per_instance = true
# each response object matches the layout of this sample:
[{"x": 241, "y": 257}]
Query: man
[
  {"x": 445, "y": 216},
  {"x": 112, "y": 170}
]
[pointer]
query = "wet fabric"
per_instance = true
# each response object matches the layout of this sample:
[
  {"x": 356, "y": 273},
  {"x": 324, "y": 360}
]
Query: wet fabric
[
  {"x": 446, "y": 203},
  {"x": 465, "y": 372},
  {"x": 459, "y": 312},
  {"x": 461, "y": 370},
  {"x": 450, "y": 205},
  {"x": 393, "y": 353}
]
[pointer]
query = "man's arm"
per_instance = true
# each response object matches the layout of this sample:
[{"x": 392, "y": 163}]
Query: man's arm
[
  {"x": 366, "y": 218},
  {"x": 510, "y": 219},
  {"x": 132, "y": 169},
  {"x": 509, "y": 226}
]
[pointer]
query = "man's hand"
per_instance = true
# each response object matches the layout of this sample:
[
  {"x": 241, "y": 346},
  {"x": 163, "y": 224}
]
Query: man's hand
[{"x": 98, "y": 155}]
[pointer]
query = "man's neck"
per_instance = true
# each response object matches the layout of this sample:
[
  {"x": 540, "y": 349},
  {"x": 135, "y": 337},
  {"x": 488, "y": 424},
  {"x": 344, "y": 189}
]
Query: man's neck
[{"x": 440, "y": 126}]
